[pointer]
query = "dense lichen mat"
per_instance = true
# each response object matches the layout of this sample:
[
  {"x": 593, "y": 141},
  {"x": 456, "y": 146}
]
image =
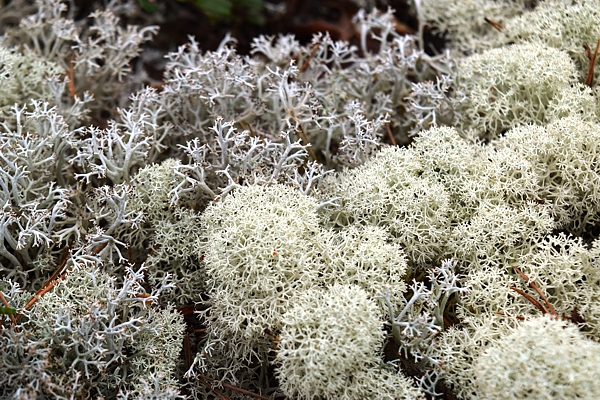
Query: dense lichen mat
[{"x": 310, "y": 221}]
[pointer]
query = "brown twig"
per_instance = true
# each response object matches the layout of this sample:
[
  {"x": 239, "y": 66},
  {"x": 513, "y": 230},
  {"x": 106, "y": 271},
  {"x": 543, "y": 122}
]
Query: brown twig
[
  {"x": 186, "y": 310},
  {"x": 531, "y": 299},
  {"x": 576, "y": 317},
  {"x": 497, "y": 25},
  {"x": 310, "y": 56},
  {"x": 99, "y": 248},
  {"x": 401, "y": 28},
  {"x": 215, "y": 391},
  {"x": 186, "y": 351},
  {"x": 42, "y": 291},
  {"x": 158, "y": 85},
  {"x": 391, "y": 136},
  {"x": 236, "y": 389},
  {"x": 71, "y": 75},
  {"x": 61, "y": 266},
  {"x": 249, "y": 128},
  {"x": 588, "y": 51},
  {"x": 537, "y": 289},
  {"x": 589, "y": 80},
  {"x": 447, "y": 323},
  {"x": 49, "y": 284}
]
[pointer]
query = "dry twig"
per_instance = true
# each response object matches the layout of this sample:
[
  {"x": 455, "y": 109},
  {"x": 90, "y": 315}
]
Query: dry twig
[
  {"x": 589, "y": 80},
  {"x": 497, "y": 25},
  {"x": 550, "y": 309}
]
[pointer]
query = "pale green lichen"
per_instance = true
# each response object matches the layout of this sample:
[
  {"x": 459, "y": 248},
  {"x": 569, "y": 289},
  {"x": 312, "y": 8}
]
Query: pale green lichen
[
  {"x": 259, "y": 252},
  {"x": 365, "y": 256},
  {"x": 463, "y": 23},
  {"x": 517, "y": 85},
  {"x": 563, "y": 156},
  {"x": 391, "y": 192},
  {"x": 541, "y": 358},
  {"x": 562, "y": 24},
  {"x": 329, "y": 345}
]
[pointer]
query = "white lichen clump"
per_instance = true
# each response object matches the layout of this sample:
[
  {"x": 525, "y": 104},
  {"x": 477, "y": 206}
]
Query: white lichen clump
[
  {"x": 391, "y": 192},
  {"x": 329, "y": 345},
  {"x": 259, "y": 252},
  {"x": 518, "y": 85},
  {"x": 542, "y": 358}
]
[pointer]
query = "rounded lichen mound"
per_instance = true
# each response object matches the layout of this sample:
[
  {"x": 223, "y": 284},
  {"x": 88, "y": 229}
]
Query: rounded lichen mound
[
  {"x": 464, "y": 25},
  {"x": 259, "y": 252},
  {"x": 564, "y": 157},
  {"x": 365, "y": 256},
  {"x": 392, "y": 191},
  {"x": 329, "y": 347},
  {"x": 518, "y": 85},
  {"x": 562, "y": 24},
  {"x": 542, "y": 359}
]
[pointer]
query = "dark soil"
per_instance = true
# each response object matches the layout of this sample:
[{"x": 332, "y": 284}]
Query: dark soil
[{"x": 178, "y": 20}]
